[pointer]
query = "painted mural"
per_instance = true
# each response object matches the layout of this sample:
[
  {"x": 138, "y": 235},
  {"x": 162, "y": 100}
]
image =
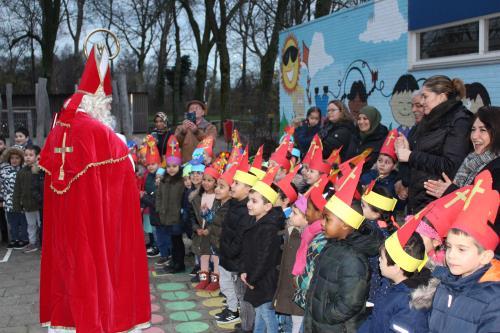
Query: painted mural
[{"x": 360, "y": 57}]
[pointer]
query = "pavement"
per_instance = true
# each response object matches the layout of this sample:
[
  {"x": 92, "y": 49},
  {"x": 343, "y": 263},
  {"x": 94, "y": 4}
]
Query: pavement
[{"x": 176, "y": 306}]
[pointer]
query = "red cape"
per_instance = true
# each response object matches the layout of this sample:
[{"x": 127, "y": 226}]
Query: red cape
[{"x": 94, "y": 273}]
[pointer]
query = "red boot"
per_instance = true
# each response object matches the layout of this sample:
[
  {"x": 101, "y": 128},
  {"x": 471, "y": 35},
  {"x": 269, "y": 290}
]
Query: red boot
[
  {"x": 214, "y": 282},
  {"x": 204, "y": 280}
]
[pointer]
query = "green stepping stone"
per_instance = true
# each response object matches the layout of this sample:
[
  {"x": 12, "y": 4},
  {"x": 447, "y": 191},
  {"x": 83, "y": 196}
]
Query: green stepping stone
[
  {"x": 174, "y": 295},
  {"x": 185, "y": 315},
  {"x": 180, "y": 306},
  {"x": 192, "y": 327},
  {"x": 171, "y": 286}
]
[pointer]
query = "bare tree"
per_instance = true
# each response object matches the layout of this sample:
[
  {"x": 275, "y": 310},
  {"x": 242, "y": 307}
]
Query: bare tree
[
  {"x": 76, "y": 30},
  {"x": 165, "y": 22}
]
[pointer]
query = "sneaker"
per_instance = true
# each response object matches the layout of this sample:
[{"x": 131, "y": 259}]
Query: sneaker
[
  {"x": 195, "y": 278},
  {"x": 221, "y": 314},
  {"x": 11, "y": 244},
  {"x": 230, "y": 317},
  {"x": 161, "y": 262},
  {"x": 30, "y": 248},
  {"x": 20, "y": 245},
  {"x": 153, "y": 252},
  {"x": 194, "y": 271}
]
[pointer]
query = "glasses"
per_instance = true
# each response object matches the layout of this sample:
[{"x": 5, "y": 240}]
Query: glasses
[
  {"x": 333, "y": 110},
  {"x": 291, "y": 53}
]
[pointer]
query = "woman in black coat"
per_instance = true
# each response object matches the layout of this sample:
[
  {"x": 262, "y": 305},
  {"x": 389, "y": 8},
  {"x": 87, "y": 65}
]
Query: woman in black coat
[
  {"x": 441, "y": 139},
  {"x": 338, "y": 130},
  {"x": 370, "y": 133},
  {"x": 305, "y": 133}
]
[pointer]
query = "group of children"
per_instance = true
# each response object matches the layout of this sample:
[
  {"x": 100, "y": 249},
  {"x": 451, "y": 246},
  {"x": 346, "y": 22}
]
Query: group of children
[
  {"x": 21, "y": 193},
  {"x": 311, "y": 245}
]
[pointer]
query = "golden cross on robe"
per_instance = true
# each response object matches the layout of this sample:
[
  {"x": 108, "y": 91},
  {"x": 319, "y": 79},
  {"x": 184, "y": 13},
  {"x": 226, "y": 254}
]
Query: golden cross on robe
[
  {"x": 63, "y": 150},
  {"x": 389, "y": 139},
  {"x": 351, "y": 176},
  {"x": 460, "y": 196},
  {"x": 476, "y": 189}
]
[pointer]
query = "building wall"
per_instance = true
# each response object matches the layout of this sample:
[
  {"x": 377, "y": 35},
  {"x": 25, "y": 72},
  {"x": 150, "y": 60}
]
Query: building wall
[{"x": 360, "y": 56}]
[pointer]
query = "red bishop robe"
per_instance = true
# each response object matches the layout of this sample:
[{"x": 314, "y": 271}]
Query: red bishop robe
[{"x": 94, "y": 273}]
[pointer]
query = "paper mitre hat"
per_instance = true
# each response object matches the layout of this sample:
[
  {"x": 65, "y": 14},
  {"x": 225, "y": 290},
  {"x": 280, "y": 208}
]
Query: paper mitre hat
[
  {"x": 378, "y": 200},
  {"x": 280, "y": 154},
  {"x": 396, "y": 242},
  {"x": 444, "y": 211},
  {"x": 317, "y": 162},
  {"x": 152, "y": 152},
  {"x": 256, "y": 168},
  {"x": 207, "y": 145},
  {"x": 96, "y": 77},
  {"x": 217, "y": 167},
  {"x": 228, "y": 175},
  {"x": 285, "y": 185},
  {"x": 235, "y": 155},
  {"x": 388, "y": 148},
  {"x": 479, "y": 212},
  {"x": 315, "y": 144},
  {"x": 340, "y": 203},
  {"x": 334, "y": 157},
  {"x": 235, "y": 139},
  {"x": 173, "y": 154},
  {"x": 316, "y": 192},
  {"x": 242, "y": 175},
  {"x": 264, "y": 186}
]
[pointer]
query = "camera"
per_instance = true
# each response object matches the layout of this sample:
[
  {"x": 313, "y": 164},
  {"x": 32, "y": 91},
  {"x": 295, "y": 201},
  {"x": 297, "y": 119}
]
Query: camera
[{"x": 191, "y": 116}]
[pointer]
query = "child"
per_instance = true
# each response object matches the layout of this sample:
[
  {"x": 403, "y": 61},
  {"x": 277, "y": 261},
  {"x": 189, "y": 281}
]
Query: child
[
  {"x": 188, "y": 188},
  {"x": 196, "y": 178},
  {"x": 3, "y": 222},
  {"x": 203, "y": 202},
  {"x": 339, "y": 287},
  {"x": 24, "y": 200},
  {"x": 467, "y": 298},
  {"x": 168, "y": 205},
  {"x": 283, "y": 300},
  {"x": 262, "y": 252},
  {"x": 281, "y": 158},
  {"x": 235, "y": 223},
  {"x": 13, "y": 158},
  {"x": 22, "y": 137},
  {"x": 402, "y": 260},
  {"x": 385, "y": 173}
]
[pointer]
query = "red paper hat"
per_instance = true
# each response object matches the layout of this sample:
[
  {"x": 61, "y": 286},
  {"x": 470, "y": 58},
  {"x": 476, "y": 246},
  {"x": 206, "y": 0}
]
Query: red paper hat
[
  {"x": 96, "y": 74},
  {"x": 256, "y": 168},
  {"x": 235, "y": 139},
  {"x": 317, "y": 162},
  {"x": 285, "y": 185},
  {"x": 207, "y": 144},
  {"x": 334, "y": 157},
  {"x": 280, "y": 154},
  {"x": 388, "y": 146},
  {"x": 444, "y": 211},
  {"x": 315, "y": 192},
  {"x": 395, "y": 244},
  {"x": 173, "y": 154},
  {"x": 228, "y": 175},
  {"x": 235, "y": 155},
  {"x": 480, "y": 209},
  {"x": 152, "y": 152},
  {"x": 315, "y": 144},
  {"x": 243, "y": 162},
  {"x": 264, "y": 186}
]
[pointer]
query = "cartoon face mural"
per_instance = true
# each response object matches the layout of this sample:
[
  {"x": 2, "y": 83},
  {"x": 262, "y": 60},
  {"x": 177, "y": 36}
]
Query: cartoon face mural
[
  {"x": 290, "y": 64},
  {"x": 401, "y": 100},
  {"x": 357, "y": 98},
  {"x": 476, "y": 96}
]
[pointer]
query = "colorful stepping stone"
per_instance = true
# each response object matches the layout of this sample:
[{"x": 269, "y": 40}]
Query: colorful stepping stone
[
  {"x": 153, "y": 329},
  {"x": 230, "y": 326},
  {"x": 215, "y": 311},
  {"x": 171, "y": 286},
  {"x": 192, "y": 327},
  {"x": 181, "y": 305},
  {"x": 213, "y": 302},
  {"x": 185, "y": 315},
  {"x": 155, "y": 307},
  {"x": 156, "y": 319},
  {"x": 152, "y": 297},
  {"x": 205, "y": 294},
  {"x": 175, "y": 295}
]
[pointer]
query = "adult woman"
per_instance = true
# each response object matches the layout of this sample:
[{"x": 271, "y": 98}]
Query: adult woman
[
  {"x": 440, "y": 142},
  {"x": 161, "y": 132},
  {"x": 305, "y": 132},
  {"x": 338, "y": 130},
  {"x": 370, "y": 133}
]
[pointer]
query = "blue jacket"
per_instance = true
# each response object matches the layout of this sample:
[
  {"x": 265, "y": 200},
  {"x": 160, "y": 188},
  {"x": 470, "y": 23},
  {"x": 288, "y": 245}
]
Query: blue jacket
[
  {"x": 387, "y": 182},
  {"x": 303, "y": 136},
  {"x": 467, "y": 305},
  {"x": 392, "y": 312}
]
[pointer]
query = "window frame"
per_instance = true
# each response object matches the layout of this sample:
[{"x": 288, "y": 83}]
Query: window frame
[{"x": 482, "y": 57}]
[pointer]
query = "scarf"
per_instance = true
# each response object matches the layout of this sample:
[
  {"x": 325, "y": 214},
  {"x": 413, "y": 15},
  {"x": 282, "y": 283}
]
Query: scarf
[
  {"x": 373, "y": 116},
  {"x": 307, "y": 236},
  {"x": 471, "y": 166}
]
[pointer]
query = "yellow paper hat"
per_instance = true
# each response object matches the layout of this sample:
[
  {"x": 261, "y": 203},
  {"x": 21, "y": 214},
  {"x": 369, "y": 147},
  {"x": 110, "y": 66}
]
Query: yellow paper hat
[
  {"x": 378, "y": 200},
  {"x": 264, "y": 186}
]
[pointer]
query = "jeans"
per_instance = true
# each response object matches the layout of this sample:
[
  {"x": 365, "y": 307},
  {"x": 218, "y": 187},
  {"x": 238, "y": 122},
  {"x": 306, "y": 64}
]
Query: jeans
[
  {"x": 265, "y": 319},
  {"x": 164, "y": 240},
  {"x": 34, "y": 223},
  {"x": 18, "y": 227}
]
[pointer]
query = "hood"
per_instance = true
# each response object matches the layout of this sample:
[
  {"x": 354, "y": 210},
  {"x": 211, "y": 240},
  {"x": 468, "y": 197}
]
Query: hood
[
  {"x": 275, "y": 217},
  {"x": 457, "y": 283},
  {"x": 366, "y": 240},
  {"x": 418, "y": 279},
  {"x": 421, "y": 298}
]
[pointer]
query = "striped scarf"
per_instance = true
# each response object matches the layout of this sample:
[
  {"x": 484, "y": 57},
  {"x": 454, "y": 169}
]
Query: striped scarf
[{"x": 471, "y": 166}]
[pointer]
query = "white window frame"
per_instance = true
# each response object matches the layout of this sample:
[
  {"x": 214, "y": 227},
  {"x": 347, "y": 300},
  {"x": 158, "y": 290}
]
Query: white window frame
[{"x": 482, "y": 57}]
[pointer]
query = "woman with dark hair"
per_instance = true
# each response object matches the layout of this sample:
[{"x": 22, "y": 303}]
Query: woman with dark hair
[
  {"x": 338, "y": 130},
  {"x": 440, "y": 142},
  {"x": 305, "y": 132},
  {"x": 161, "y": 132},
  {"x": 370, "y": 133}
]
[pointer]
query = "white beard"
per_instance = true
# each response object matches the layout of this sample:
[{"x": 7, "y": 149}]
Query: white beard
[{"x": 97, "y": 106}]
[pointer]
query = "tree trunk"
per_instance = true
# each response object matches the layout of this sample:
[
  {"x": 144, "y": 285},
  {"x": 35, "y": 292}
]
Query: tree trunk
[
  {"x": 78, "y": 31},
  {"x": 162, "y": 59},
  {"x": 51, "y": 11},
  {"x": 323, "y": 8},
  {"x": 177, "y": 73}
]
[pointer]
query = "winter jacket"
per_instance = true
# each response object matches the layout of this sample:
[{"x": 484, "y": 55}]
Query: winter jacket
[
  {"x": 283, "y": 300},
  {"x": 169, "y": 201},
  {"x": 261, "y": 256},
  {"x": 8, "y": 175},
  {"x": 467, "y": 304},
  {"x": 161, "y": 137},
  {"x": 188, "y": 140},
  {"x": 186, "y": 212},
  {"x": 393, "y": 312},
  {"x": 336, "y": 135},
  {"x": 303, "y": 136},
  {"x": 440, "y": 144},
  {"x": 25, "y": 194},
  {"x": 235, "y": 223},
  {"x": 375, "y": 141},
  {"x": 388, "y": 182},
  {"x": 201, "y": 244},
  {"x": 339, "y": 288},
  {"x": 148, "y": 200},
  {"x": 215, "y": 228}
]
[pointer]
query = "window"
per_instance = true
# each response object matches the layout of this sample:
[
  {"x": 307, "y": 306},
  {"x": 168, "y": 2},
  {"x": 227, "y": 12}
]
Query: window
[{"x": 475, "y": 41}]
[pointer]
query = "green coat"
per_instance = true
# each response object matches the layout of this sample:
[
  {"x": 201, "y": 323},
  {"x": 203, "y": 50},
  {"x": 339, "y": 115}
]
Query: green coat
[{"x": 169, "y": 201}]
